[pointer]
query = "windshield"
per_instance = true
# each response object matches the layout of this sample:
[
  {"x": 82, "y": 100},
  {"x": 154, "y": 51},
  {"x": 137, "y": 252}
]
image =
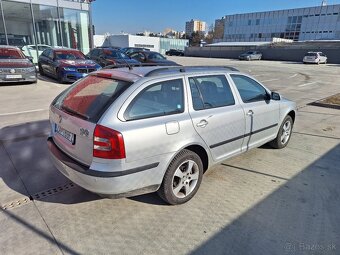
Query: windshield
[
  {"x": 11, "y": 54},
  {"x": 69, "y": 55},
  {"x": 156, "y": 56},
  {"x": 115, "y": 54}
]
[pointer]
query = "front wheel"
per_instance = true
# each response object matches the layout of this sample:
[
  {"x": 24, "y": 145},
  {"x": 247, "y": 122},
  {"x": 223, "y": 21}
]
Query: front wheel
[
  {"x": 284, "y": 134},
  {"x": 182, "y": 178}
]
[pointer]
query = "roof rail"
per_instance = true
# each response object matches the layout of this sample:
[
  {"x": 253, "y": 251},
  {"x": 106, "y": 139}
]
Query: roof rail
[
  {"x": 184, "y": 69},
  {"x": 128, "y": 65}
]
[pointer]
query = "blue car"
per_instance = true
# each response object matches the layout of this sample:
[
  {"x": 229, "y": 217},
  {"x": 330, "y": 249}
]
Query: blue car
[{"x": 65, "y": 65}]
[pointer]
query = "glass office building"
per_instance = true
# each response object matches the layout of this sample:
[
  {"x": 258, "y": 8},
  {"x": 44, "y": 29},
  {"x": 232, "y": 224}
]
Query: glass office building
[
  {"x": 35, "y": 23},
  {"x": 313, "y": 23}
]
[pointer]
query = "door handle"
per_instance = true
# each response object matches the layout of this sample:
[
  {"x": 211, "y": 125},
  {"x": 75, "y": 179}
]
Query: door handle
[
  {"x": 202, "y": 124},
  {"x": 250, "y": 113}
]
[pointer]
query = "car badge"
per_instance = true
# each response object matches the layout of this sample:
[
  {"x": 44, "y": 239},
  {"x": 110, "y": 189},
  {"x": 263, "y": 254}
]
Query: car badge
[
  {"x": 84, "y": 132},
  {"x": 60, "y": 119},
  {"x": 12, "y": 71}
]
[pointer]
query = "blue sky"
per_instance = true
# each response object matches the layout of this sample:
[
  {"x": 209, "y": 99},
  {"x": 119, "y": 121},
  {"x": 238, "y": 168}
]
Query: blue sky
[{"x": 132, "y": 16}]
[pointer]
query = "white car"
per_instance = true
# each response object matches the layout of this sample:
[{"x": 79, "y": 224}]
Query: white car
[
  {"x": 315, "y": 58},
  {"x": 31, "y": 51}
]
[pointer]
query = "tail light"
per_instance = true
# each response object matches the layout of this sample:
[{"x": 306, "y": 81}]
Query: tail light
[{"x": 108, "y": 143}]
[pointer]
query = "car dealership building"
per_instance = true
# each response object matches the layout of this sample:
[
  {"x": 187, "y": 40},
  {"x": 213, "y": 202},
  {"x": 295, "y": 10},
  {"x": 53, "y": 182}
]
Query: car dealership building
[{"x": 64, "y": 23}]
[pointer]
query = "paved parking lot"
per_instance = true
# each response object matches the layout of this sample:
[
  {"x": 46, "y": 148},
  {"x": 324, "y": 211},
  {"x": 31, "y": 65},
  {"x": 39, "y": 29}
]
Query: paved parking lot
[{"x": 263, "y": 202}]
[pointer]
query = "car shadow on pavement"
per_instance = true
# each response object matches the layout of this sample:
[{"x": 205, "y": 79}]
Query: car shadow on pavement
[
  {"x": 300, "y": 217},
  {"x": 27, "y": 168}
]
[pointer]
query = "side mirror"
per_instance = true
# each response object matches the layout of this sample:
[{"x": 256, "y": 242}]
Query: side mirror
[{"x": 275, "y": 96}]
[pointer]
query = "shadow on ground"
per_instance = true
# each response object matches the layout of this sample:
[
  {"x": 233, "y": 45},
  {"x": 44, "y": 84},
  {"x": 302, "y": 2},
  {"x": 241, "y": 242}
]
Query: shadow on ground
[
  {"x": 300, "y": 217},
  {"x": 27, "y": 168}
]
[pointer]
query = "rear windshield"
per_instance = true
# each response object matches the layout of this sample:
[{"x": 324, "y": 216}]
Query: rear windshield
[
  {"x": 11, "y": 54},
  {"x": 115, "y": 54},
  {"x": 90, "y": 97},
  {"x": 311, "y": 54}
]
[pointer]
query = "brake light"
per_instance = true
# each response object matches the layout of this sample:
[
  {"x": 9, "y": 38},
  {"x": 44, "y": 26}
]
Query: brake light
[{"x": 108, "y": 143}]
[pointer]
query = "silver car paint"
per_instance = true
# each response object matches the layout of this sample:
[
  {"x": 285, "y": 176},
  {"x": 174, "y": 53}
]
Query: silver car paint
[{"x": 149, "y": 141}]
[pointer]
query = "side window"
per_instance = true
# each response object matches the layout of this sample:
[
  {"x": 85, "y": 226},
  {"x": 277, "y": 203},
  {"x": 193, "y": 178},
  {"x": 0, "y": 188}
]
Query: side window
[
  {"x": 51, "y": 54},
  {"x": 210, "y": 92},
  {"x": 250, "y": 90},
  {"x": 163, "y": 98},
  {"x": 46, "y": 52}
]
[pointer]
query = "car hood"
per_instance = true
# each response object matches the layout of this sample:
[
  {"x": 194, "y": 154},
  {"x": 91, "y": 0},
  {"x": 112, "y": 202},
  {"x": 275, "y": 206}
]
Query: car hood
[
  {"x": 78, "y": 62},
  {"x": 15, "y": 63}
]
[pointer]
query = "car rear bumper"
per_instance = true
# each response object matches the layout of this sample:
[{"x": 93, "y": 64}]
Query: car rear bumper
[{"x": 128, "y": 182}]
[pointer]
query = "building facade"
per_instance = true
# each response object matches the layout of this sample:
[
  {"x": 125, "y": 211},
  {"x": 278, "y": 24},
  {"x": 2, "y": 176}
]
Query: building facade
[
  {"x": 65, "y": 23},
  {"x": 195, "y": 26},
  {"x": 158, "y": 44},
  {"x": 313, "y": 23}
]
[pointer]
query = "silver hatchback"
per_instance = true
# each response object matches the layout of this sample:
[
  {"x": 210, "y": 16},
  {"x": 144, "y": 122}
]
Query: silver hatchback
[{"x": 130, "y": 131}]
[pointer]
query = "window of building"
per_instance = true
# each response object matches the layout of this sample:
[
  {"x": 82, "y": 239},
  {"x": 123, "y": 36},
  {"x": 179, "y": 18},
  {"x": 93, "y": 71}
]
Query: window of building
[{"x": 257, "y": 22}]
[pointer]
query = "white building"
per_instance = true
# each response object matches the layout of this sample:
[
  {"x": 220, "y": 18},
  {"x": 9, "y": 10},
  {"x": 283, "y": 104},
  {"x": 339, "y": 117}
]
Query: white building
[
  {"x": 195, "y": 26},
  {"x": 158, "y": 44},
  {"x": 312, "y": 23}
]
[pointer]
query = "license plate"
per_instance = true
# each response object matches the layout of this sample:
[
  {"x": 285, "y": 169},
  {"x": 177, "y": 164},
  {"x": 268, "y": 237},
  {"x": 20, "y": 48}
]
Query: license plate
[
  {"x": 14, "y": 76},
  {"x": 64, "y": 133}
]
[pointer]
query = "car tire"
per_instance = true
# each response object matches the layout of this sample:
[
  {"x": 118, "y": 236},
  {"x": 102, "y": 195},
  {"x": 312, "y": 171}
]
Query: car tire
[
  {"x": 41, "y": 70},
  {"x": 182, "y": 178},
  {"x": 284, "y": 134},
  {"x": 59, "y": 77},
  {"x": 260, "y": 58}
]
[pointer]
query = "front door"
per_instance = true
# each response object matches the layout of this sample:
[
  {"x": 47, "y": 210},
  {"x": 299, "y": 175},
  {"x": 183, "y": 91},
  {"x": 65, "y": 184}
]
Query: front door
[{"x": 261, "y": 114}]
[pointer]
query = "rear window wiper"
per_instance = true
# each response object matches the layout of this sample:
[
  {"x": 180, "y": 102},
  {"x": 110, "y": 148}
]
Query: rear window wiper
[{"x": 83, "y": 116}]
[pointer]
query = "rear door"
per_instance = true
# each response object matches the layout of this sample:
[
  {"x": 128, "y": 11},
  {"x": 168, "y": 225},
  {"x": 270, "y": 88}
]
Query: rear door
[
  {"x": 74, "y": 114},
  {"x": 262, "y": 116},
  {"x": 216, "y": 115}
]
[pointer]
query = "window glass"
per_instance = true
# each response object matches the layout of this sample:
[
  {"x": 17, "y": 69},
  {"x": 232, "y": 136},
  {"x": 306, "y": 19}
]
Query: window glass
[
  {"x": 250, "y": 90},
  {"x": 210, "y": 92},
  {"x": 156, "y": 56},
  {"x": 91, "y": 96},
  {"x": 11, "y": 54},
  {"x": 69, "y": 55},
  {"x": 50, "y": 54},
  {"x": 163, "y": 98}
]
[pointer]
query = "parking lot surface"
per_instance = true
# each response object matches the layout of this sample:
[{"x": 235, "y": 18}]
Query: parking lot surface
[{"x": 265, "y": 201}]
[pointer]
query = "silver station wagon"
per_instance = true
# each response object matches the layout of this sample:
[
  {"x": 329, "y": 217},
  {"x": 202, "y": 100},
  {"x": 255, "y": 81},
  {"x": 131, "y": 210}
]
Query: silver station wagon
[{"x": 129, "y": 131}]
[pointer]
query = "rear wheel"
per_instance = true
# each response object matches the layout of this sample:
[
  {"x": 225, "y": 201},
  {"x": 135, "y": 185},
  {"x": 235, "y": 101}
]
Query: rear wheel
[
  {"x": 284, "y": 134},
  {"x": 182, "y": 178}
]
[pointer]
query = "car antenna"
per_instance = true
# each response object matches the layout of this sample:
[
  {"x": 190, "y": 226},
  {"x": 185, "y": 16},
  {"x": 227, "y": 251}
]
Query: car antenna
[{"x": 130, "y": 66}]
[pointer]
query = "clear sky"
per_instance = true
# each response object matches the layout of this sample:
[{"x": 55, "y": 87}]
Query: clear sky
[{"x": 132, "y": 16}]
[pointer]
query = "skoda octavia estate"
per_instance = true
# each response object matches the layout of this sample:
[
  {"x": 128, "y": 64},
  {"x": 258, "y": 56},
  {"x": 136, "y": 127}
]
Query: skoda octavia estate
[{"x": 129, "y": 131}]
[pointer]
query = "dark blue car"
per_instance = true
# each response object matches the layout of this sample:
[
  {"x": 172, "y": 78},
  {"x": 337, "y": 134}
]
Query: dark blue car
[{"x": 65, "y": 65}]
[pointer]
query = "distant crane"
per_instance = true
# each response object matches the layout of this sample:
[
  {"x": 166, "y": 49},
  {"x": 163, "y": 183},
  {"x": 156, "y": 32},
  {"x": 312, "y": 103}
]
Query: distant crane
[{"x": 324, "y": 3}]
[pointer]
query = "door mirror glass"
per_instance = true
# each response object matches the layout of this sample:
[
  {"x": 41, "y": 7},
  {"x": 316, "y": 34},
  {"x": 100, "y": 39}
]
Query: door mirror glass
[{"x": 276, "y": 96}]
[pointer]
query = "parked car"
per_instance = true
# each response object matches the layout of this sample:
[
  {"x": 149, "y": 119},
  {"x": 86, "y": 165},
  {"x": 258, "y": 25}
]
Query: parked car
[
  {"x": 34, "y": 51},
  {"x": 152, "y": 57},
  {"x": 109, "y": 56},
  {"x": 251, "y": 55},
  {"x": 315, "y": 58},
  {"x": 174, "y": 52},
  {"x": 15, "y": 66},
  {"x": 65, "y": 65},
  {"x": 124, "y": 132},
  {"x": 130, "y": 50}
]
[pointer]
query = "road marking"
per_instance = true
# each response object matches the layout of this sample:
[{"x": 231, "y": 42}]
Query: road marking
[
  {"x": 294, "y": 75},
  {"x": 14, "y": 113},
  {"x": 270, "y": 80},
  {"x": 307, "y": 84}
]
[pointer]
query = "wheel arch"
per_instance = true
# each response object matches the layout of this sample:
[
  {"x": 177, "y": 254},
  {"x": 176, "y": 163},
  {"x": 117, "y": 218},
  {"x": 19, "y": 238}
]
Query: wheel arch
[{"x": 201, "y": 152}]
